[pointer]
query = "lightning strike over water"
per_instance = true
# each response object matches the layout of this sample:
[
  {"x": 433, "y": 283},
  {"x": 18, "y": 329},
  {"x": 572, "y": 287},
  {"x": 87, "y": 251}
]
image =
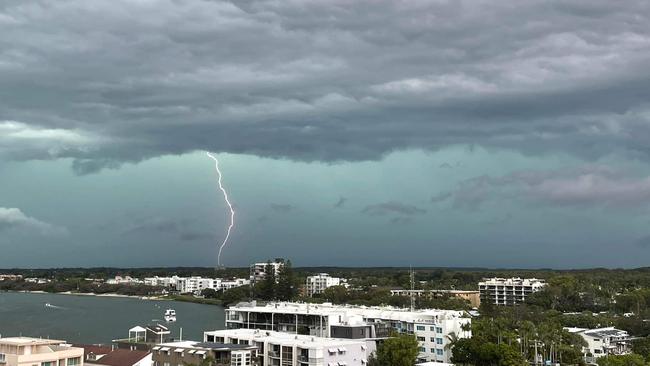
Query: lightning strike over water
[{"x": 232, "y": 211}]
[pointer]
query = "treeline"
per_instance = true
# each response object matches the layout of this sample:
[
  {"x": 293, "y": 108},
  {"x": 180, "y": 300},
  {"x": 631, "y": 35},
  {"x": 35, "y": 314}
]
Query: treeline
[{"x": 84, "y": 287}]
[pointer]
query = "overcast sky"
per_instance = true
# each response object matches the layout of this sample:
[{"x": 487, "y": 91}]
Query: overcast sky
[{"x": 431, "y": 133}]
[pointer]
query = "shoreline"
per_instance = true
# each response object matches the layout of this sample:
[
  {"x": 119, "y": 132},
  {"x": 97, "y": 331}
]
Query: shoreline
[
  {"x": 179, "y": 298},
  {"x": 158, "y": 298}
]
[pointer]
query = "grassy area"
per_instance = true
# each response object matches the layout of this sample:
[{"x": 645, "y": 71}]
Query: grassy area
[{"x": 189, "y": 298}]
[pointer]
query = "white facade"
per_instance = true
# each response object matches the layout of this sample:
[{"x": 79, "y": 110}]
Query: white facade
[
  {"x": 431, "y": 327},
  {"x": 602, "y": 342},
  {"x": 258, "y": 270},
  {"x": 318, "y": 283},
  {"x": 276, "y": 348},
  {"x": 123, "y": 280},
  {"x": 508, "y": 291},
  {"x": 196, "y": 284}
]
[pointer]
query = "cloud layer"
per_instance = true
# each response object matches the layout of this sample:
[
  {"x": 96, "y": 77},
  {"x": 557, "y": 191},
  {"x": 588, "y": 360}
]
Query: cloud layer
[
  {"x": 105, "y": 82},
  {"x": 15, "y": 219}
]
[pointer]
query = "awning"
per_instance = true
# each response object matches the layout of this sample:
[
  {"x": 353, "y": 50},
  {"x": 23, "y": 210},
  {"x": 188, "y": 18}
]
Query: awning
[
  {"x": 191, "y": 351},
  {"x": 164, "y": 349},
  {"x": 156, "y": 348},
  {"x": 200, "y": 352},
  {"x": 342, "y": 350},
  {"x": 179, "y": 350},
  {"x": 332, "y": 350}
]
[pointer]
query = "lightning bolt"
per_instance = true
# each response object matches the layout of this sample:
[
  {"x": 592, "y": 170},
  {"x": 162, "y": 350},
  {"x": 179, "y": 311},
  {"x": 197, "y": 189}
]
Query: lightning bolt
[{"x": 232, "y": 211}]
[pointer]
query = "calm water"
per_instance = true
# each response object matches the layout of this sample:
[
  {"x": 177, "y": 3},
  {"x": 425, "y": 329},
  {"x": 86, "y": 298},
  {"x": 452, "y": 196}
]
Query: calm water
[{"x": 90, "y": 319}]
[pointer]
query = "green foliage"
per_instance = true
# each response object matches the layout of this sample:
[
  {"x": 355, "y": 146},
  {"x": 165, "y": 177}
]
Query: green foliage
[
  {"x": 641, "y": 346},
  {"x": 621, "y": 360},
  {"x": 286, "y": 287},
  {"x": 266, "y": 287},
  {"x": 474, "y": 351},
  {"x": 400, "y": 350}
]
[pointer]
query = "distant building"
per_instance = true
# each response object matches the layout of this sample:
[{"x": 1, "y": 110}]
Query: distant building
[
  {"x": 508, "y": 291},
  {"x": 318, "y": 283},
  {"x": 124, "y": 280},
  {"x": 276, "y": 348},
  {"x": 602, "y": 342},
  {"x": 192, "y": 353},
  {"x": 195, "y": 284},
  {"x": 25, "y": 351},
  {"x": 473, "y": 297},
  {"x": 433, "y": 328},
  {"x": 110, "y": 356},
  {"x": 258, "y": 270},
  {"x": 10, "y": 277}
]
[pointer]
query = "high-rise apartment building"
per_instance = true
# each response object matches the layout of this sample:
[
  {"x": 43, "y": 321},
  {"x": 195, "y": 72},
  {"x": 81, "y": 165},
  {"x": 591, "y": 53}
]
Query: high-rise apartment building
[{"x": 508, "y": 291}]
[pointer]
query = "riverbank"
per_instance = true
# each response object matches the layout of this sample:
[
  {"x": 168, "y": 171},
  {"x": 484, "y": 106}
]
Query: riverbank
[{"x": 183, "y": 298}]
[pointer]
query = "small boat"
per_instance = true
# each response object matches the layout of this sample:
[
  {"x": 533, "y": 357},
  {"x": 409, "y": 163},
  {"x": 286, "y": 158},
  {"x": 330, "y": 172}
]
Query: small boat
[
  {"x": 170, "y": 315},
  {"x": 48, "y": 305}
]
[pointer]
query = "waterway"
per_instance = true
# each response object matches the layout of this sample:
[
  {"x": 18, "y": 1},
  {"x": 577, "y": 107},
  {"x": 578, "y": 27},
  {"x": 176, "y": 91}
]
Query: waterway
[{"x": 99, "y": 319}]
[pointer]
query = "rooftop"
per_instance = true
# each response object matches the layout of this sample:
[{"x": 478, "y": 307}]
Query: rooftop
[
  {"x": 303, "y": 341},
  {"x": 28, "y": 341},
  {"x": 203, "y": 346}
]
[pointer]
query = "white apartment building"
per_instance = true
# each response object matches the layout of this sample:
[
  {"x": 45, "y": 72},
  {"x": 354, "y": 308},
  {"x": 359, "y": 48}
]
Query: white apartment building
[
  {"x": 196, "y": 284},
  {"x": 602, "y": 342},
  {"x": 508, "y": 291},
  {"x": 318, "y": 283},
  {"x": 277, "y": 348},
  {"x": 258, "y": 270},
  {"x": 431, "y": 327},
  {"x": 123, "y": 280},
  {"x": 25, "y": 351}
]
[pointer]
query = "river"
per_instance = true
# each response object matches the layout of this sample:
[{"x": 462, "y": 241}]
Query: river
[{"x": 98, "y": 319}]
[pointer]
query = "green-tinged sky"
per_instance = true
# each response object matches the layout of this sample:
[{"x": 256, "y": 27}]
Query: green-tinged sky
[
  {"x": 425, "y": 133},
  {"x": 410, "y": 208}
]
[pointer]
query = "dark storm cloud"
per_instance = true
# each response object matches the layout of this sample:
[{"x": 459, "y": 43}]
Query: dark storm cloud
[
  {"x": 400, "y": 220},
  {"x": 105, "y": 82},
  {"x": 341, "y": 202},
  {"x": 182, "y": 229},
  {"x": 442, "y": 196},
  {"x": 282, "y": 208},
  {"x": 585, "y": 186},
  {"x": 392, "y": 207},
  {"x": 643, "y": 242}
]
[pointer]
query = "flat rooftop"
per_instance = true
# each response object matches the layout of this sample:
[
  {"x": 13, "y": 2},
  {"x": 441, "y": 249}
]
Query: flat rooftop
[
  {"x": 29, "y": 341},
  {"x": 203, "y": 346},
  {"x": 300, "y": 340},
  {"x": 368, "y": 312}
]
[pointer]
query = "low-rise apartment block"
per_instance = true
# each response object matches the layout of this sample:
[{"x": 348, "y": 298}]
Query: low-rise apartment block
[
  {"x": 602, "y": 342},
  {"x": 318, "y": 283},
  {"x": 431, "y": 327},
  {"x": 508, "y": 291},
  {"x": 276, "y": 348},
  {"x": 25, "y": 351},
  {"x": 196, "y": 284}
]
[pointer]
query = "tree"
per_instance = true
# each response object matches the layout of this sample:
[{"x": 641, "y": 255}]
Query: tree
[
  {"x": 400, "y": 350},
  {"x": 336, "y": 294},
  {"x": 641, "y": 346},
  {"x": 285, "y": 289},
  {"x": 621, "y": 360},
  {"x": 266, "y": 287}
]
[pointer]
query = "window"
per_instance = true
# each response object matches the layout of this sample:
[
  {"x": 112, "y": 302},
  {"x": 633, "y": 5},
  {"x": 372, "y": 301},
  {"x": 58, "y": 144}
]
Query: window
[
  {"x": 421, "y": 327},
  {"x": 432, "y": 328},
  {"x": 438, "y": 340},
  {"x": 74, "y": 361},
  {"x": 421, "y": 339},
  {"x": 422, "y": 349},
  {"x": 432, "y": 339},
  {"x": 439, "y": 352},
  {"x": 2, "y": 357},
  {"x": 48, "y": 363},
  {"x": 438, "y": 330},
  {"x": 433, "y": 350}
]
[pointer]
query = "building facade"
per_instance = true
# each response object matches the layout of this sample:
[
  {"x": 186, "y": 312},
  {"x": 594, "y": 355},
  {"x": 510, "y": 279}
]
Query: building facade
[
  {"x": 25, "y": 351},
  {"x": 508, "y": 291},
  {"x": 258, "y": 270},
  {"x": 433, "y": 328},
  {"x": 602, "y": 342},
  {"x": 194, "y": 353},
  {"x": 196, "y": 284},
  {"x": 318, "y": 283},
  {"x": 276, "y": 348}
]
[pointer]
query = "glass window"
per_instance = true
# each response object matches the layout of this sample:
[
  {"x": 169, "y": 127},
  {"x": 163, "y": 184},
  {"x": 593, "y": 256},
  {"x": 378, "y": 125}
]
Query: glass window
[
  {"x": 432, "y": 328},
  {"x": 438, "y": 330},
  {"x": 421, "y": 339},
  {"x": 422, "y": 349},
  {"x": 74, "y": 361},
  {"x": 439, "y": 352},
  {"x": 421, "y": 327},
  {"x": 438, "y": 340},
  {"x": 432, "y": 339}
]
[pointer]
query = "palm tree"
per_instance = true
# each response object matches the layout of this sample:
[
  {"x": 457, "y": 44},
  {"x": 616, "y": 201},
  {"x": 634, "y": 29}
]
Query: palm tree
[{"x": 452, "y": 339}]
